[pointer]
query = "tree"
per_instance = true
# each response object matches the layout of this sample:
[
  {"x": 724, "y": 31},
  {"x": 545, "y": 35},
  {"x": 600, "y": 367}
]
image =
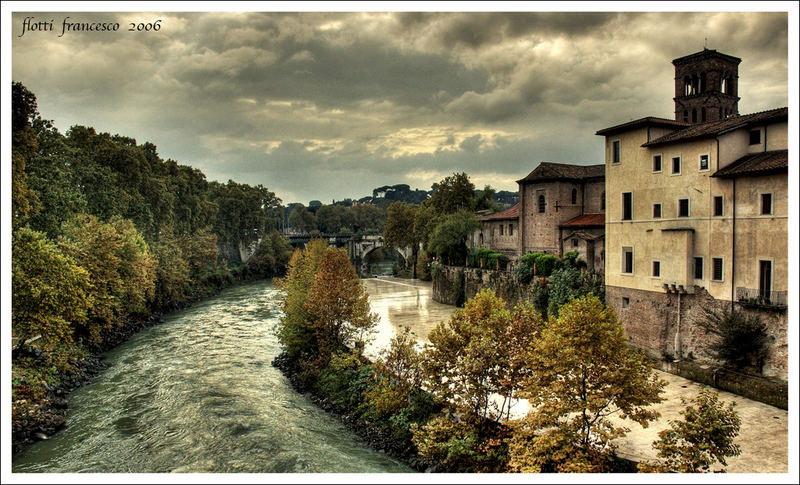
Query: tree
[
  {"x": 583, "y": 371},
  {"x": 52, "y": 294},
  {"x": 568, "y": 283},
  {"x": 704, "y": 437},
  {"x": 477, "y": 354},
  {"x": 449, "y": 237},
  {"x": 120, "y": 265},
  {"x": 399, "y": 230},
  {"x": 337, "y": 305},
  {"x": 453, "y": 194},
  {"x": 399, "y": 374},
  {"x": 294, "y": 330},
  {"x": 301, "y": 219},
  {"x": 24, "y": 145},
  {"x": 742, "y": 339},
  {"x": 172, "y": 270}
]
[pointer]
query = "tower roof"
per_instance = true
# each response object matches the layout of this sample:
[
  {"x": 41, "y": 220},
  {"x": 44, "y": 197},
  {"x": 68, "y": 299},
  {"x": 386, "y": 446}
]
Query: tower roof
[{"x": 705, "y": 54}]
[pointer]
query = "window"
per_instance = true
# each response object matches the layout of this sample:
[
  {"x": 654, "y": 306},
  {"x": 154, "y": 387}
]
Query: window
[
  {"x": 686, "y": 116},
  {"x": 703, "y": 162},
  {"x": 683, "y": 207},
  {"x": 755, "y": 137},
  {"x": 698, "y": 268},
  {"x": 627, "y": 206},
  {"x": 603, "y": 201},
  {"x": 656, "y": 211},
  {"x": 480, "y": 239},
  {"x": 615, "y": 151},
  {"x": 717, "y": 269},
  {"x": 511, "y": 229},
  {"x": 627, "y": 260},
  {"x": 501, "y": 229},
  {"x": 676, "y": 165},
  {"x": 542, "y": 203},
  {"x": 717, "y": 205},
  {"x": 703, "y": 115},
  {"x": 694, "y": 115},
  {"x": 574, "y": 196},
  {"x": 656, "y": 269},
  {"x": 574, "y": 243},
  {"x": 656, "y": 163},
  {"x": 626, "y": 302},
  {"x": 765, "y": 279},
  {"x": 766, "y": 204}
]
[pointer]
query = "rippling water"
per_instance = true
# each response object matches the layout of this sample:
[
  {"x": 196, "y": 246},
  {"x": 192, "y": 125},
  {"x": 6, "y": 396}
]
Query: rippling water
[{"x": 198, "y": 394}]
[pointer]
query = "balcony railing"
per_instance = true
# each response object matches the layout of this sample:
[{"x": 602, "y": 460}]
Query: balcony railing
[{"x": 755, "y": 297}]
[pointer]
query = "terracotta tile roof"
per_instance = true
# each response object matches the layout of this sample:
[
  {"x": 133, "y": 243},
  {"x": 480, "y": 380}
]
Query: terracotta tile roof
[
  {"x": 715, "y": 128},
  {"x": 547, "y": 171},
  {"x": 761, "y": 163},
  {"x": 510, "y": 213},
  {"x": 586, "y": 220},
  {"x": 642, "y": 122}
]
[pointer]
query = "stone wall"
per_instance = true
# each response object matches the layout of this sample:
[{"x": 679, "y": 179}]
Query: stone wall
[
  {"x": 454, "y": 285},
  {"x": 651, "y": 322}
]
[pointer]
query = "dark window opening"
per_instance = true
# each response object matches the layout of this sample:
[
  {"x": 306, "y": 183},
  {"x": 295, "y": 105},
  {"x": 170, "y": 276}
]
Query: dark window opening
[
  {"x": 627, "y": 206},
  {"x": 683, "y": 208},
  {"x": 755, "y": 137},
  {"x": 627, "y": 260},
  {"x": 718, "y": 205},
  {"x": 765, "y": 280},
  {"x": 542, "y": 203},
  {"x": 501, "y": 229},
  {"x": 574, "y": 196},
  {"x": 703, "y": 162},
  {"x": 766, "y": 204},
  {"x": 717, "y": 269},
  {"x": 626, "y": 302},
  {"x": 703, "y": 115},
  {"x": 657, "y": 269},
  {"x": 698, "y": 268},
  {"x": 656, "y": 211},
  {"x": 685, "y": 115},
  {"x": 603, "y": 201},
  {"x": 694, "y": 115},
  {"x": 575, "y": 243},
  {"x": 676, "y": 164},
  {"x": 615, "y": 151},
  {"x": 511, "y": 229},
  {"x": 656, "y": 163}
]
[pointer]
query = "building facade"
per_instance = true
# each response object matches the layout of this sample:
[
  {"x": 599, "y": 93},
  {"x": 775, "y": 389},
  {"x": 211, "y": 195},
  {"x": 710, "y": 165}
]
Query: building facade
[{"x": 698, "y": 218}]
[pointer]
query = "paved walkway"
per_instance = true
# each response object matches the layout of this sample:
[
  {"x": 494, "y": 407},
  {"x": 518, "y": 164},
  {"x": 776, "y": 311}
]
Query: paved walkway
[{"x": 763, "y": 436}]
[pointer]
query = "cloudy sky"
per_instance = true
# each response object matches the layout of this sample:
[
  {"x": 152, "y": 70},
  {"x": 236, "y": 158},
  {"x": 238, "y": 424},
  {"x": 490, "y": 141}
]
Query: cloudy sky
[{"x": 331, "y": 105}]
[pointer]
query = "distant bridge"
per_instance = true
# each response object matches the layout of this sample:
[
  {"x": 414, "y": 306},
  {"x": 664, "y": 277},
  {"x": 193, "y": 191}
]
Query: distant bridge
[{"x": 358, "y": 247}]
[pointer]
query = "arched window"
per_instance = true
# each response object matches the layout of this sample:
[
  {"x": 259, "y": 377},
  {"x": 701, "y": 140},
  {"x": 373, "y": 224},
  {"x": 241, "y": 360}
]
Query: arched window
[
  {"x": 702, "y": 82},
  {"x": 542, "y": 203},
  {"x": 574, "y": 196},
  {"x": 686, "y": 115},
  {"x": 687, "y": 86},
  {"x": 724, "y": 86},
  {"x": 703, "y": 114},
  {"x": 694, "y": 115}
]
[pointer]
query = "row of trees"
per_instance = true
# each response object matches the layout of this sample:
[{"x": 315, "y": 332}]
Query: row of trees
[
  {"x": 104, "y": 230},
  {"x": 337, "y": 218},
  {"x": 452, "y": 400},
  {"x": 441, "y": 224}
]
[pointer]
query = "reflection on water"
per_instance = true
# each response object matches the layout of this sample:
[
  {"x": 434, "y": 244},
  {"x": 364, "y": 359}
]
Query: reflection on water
[{"x": 403, "y": 303}]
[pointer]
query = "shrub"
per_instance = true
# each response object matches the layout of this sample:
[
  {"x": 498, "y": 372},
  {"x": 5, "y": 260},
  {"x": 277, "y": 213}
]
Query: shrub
[
  {"x": 523, "y": 273},
  {"x": 742, "y": 339}
]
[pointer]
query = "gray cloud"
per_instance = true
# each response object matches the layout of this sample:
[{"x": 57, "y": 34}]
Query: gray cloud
[{"x": 330, "y": 105}]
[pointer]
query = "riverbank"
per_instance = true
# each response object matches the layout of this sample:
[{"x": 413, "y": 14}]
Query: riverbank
[{"x": 40, "y": 402}]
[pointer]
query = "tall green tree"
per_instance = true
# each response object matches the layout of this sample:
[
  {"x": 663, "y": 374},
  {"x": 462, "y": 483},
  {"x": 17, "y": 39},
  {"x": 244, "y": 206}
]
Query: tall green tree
[
  {"x": 399, "y": 230},
  {"x": 453, "y": 194},
  {"x": 300, "y": 219},
  {"x": 448, "y": 240},
  {"x": 24, "y": 145}
]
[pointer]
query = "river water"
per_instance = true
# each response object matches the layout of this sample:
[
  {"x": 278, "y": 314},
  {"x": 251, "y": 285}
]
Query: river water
[{"x": 198, "y": 394}]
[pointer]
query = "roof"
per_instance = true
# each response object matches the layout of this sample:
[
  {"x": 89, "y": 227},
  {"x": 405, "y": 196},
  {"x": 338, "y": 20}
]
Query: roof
[
  {"x": 547, "y": 171},
  {"x": 642, "y": 123},
  {"x": 510, "y": 213},
  {"x": 705, "y": 54},
  {"x": 586, "y": 220},
  {"x": 761, "y": 163},
  {"x": 720, "y": 127}
]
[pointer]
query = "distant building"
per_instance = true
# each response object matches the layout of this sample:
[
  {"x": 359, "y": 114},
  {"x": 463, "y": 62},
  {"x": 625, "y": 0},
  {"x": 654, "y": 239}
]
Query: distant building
[
  {"x": 560, "y": 209},
  {"x": 697, "y": 214}
]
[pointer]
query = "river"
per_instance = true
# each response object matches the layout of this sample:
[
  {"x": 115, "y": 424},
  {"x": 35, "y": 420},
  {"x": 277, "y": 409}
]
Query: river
[{"x": 198, "y": 394}]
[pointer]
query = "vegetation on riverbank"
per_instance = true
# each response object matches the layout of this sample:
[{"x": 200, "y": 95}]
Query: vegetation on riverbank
[
  {"x": 448, "y": 406},
  {"x": 105, "y": 236}
]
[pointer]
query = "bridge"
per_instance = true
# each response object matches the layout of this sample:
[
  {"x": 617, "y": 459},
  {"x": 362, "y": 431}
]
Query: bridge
[{"x": 358, "y": 246}]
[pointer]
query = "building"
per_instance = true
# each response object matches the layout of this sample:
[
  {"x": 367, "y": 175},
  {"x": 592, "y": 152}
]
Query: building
[
  {"x": 560, "y": 209},
  {"x": 698, "y": 214}
]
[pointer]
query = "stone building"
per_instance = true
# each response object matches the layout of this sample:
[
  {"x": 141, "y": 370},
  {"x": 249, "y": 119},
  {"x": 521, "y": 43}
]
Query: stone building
[
  {"x": 698, "y": 215},
  {"x": 561, "y": 209}
]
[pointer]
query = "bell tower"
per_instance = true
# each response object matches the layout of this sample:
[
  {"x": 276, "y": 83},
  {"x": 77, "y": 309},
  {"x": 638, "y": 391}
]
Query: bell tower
[{"x": 706, "y": 86}]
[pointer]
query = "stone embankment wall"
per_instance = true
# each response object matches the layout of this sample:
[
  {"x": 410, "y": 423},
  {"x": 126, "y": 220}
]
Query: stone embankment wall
[{"x": 454, "y": 285}]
